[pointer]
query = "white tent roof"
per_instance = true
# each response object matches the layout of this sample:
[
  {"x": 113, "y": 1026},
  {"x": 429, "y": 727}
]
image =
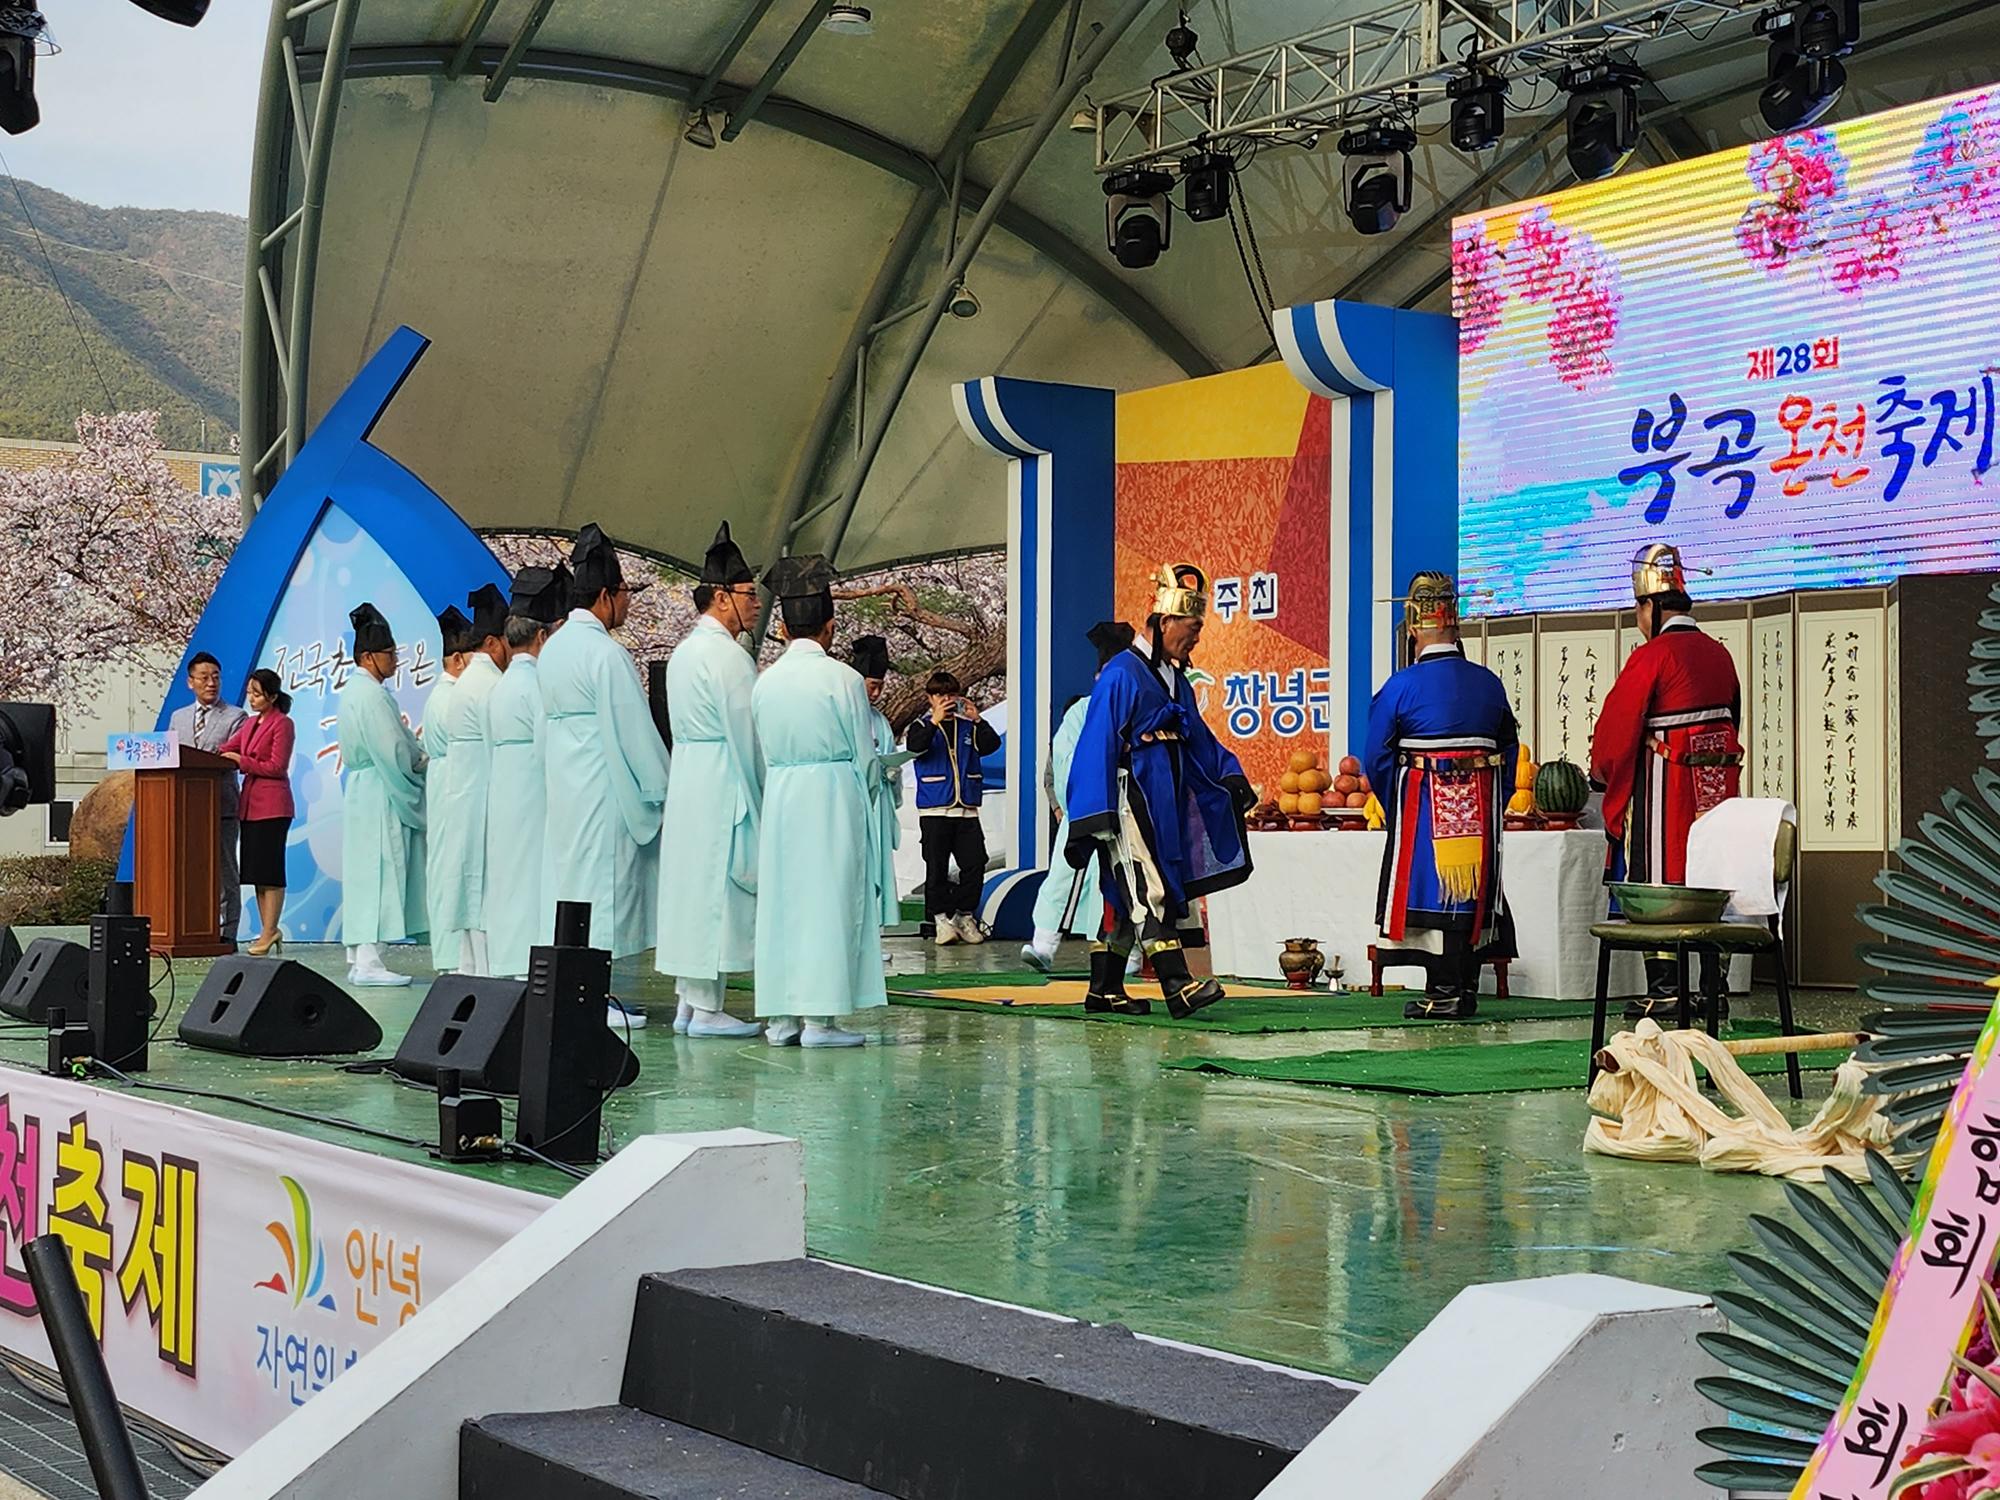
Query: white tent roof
[{"x": 631, "y": 329}]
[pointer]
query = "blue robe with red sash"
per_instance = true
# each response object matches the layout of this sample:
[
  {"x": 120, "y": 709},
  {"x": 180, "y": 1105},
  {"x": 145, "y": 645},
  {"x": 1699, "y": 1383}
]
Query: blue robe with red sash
[
  {"x": 1440, "y": 755},
  {"x": 1180, "y": 787}
]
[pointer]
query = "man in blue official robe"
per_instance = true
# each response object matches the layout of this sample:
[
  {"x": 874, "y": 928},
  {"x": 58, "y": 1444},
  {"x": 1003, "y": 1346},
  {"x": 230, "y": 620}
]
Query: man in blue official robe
[
  {"x": 436, "y": 738},
  {"x": 606, "y": 765},
  {"x": 708, "y": 889},
  {"x": 1157, "y": 802},
  {"x": 382, "y": 809},
  {"x": 1440, "y": 754},
  {"x": 1069, "y": 897},
  {"x": 517, "y": 797},
  {"x": 459, "y": 830},
  {"x": 819, "y": 947}
]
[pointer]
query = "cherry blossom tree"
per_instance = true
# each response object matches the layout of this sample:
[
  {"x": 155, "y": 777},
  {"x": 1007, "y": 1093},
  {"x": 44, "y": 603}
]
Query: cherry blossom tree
[
  {"x": 949, "y": 612},
  {"x": 105, "y": 558}
]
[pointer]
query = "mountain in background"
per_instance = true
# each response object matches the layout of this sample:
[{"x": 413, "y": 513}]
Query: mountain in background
[{"x": 158, "y": 297}]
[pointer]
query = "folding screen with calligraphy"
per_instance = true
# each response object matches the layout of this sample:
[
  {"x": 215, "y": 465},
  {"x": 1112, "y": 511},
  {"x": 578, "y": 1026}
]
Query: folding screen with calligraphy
[{"x": 1843, "y": 723}]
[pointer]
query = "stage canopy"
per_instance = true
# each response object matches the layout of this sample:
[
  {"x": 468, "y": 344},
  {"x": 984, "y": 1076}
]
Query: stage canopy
[{"x": 631, "y": 328}]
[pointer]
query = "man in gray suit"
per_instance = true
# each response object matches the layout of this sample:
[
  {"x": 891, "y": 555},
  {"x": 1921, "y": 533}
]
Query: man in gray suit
[{"x": 205, "y": 724}]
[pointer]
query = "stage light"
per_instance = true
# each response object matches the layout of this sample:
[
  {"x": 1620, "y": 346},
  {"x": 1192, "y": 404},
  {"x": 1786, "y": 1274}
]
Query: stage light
[
  {"x": 1803, "y": 70},
  {"x": 849, "y": 20},
  {"x": 1377, "y": 176},
  {"x": 1181, "y": 44},
  {"x": 963, "y": 304},
  {"x": 1138, "y": 215},
  {"x": 180, "y": 12},
  {"x": 1603, "y": 117},
  {"x": 1207, "y": 181},
  {"x": 1084, "y": 121},
  {"x": 20, "y": 33},
  {"x": 700, "y": 131},
  {"x": 1478, "y": 109}
]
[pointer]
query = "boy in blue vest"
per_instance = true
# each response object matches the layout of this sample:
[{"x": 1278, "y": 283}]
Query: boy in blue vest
[{"x": 948, "y": 743}]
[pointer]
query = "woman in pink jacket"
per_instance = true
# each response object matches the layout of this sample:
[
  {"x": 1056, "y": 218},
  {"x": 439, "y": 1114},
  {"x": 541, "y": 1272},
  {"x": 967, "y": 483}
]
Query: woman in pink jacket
[{"x": 262, "y": 749}]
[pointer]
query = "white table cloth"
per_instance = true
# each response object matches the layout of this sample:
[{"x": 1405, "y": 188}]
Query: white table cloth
[{"x": 1322, "y": 885}]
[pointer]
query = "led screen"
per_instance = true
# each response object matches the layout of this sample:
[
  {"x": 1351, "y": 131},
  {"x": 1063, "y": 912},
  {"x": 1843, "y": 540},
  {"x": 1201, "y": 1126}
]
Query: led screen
[{"x": 1782, "y": 357}]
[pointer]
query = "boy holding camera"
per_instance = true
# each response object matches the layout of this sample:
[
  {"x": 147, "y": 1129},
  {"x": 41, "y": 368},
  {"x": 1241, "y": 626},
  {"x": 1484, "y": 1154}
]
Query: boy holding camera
[{"x": 948, "y": 743}]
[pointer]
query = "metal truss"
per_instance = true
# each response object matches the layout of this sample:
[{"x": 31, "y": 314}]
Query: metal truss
[
  {"x": 281, "y": 277},
  {"x": 1392, "y": 61}
]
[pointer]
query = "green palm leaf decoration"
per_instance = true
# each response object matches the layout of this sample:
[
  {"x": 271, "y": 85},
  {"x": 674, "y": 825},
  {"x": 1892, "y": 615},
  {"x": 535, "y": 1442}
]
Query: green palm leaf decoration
[
  {"x": 1801, "y": 1317},
  {"x": 1798, "y": 1325}
]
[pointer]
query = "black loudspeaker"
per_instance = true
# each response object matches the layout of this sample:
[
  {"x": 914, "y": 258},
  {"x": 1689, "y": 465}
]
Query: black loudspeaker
[
  {"x": 273, "y": 1007},
  {"x": 471, "y": 1024},
  {"x": 52, "y": 974},
  {"x": 10, "y": 955},
  {"x": 120, "y": 1006}
]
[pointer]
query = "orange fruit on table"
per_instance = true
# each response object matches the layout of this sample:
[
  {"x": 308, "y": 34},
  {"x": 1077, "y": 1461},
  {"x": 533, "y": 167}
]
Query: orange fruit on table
[
  {"x": 1303, "y": 760},
  {"x": 1308, "y": 804},
  {"x": 1289, "y": 782},
  {"x": 1288, "y": 804}
]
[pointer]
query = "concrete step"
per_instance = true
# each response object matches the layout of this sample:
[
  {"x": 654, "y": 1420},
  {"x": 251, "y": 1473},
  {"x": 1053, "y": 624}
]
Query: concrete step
[
  {"x": 925, "y": 1395},
  {"x": 616, "y": 1453}
]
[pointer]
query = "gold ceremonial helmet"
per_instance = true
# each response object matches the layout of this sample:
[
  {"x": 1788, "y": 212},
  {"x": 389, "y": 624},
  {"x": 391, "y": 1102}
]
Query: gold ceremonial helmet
[
  {"x": 1432, "y": 603},
  {"x": 1657, "y": 569},
  {"x": 1180, "y": 589}
]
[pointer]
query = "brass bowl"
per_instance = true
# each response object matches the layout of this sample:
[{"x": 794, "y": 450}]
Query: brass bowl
[{"x": 1669, "y": 903}]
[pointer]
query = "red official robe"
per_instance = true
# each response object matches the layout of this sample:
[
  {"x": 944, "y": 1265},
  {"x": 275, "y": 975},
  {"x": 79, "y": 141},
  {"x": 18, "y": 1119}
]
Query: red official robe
[{"x": 1666, "y": 750}]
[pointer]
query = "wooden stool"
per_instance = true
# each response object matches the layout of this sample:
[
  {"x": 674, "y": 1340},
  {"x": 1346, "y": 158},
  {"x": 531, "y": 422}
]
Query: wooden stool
[{"x": 1396, "y": 958}]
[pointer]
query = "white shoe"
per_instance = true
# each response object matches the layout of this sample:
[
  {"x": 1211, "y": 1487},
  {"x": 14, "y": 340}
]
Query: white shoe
[
  {"x": 826, "y": 1034},
  {"x": 947, "y": 931},
  {"x": 783, "y": 1031},
  {"x": 683, "y": 1018},
  {"x": 720, "y": 1023},
  {"x": 621, "y": 1017},
  {"x": 370, "y": 972},
  {"x": 972, "y": 930},
  {"x": 1037, "y": 960}
]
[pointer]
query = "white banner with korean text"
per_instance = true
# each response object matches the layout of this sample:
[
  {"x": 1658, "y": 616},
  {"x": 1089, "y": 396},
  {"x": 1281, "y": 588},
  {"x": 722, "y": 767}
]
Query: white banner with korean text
[{"x": 231, "y": 1271}]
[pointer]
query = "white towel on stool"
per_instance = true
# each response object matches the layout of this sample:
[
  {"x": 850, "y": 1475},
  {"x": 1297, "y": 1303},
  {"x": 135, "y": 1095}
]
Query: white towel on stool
[{"x": 1730, "y": 849}]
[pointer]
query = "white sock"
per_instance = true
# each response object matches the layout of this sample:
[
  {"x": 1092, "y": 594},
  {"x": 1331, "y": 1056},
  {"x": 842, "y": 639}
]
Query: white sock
[{"x": 1045, "y": 942}]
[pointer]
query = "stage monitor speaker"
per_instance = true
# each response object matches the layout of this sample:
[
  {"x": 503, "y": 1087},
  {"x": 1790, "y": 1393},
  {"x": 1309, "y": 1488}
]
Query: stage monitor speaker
[
  {"x": 273, "y": 1007},
  {"x": 10, "y": 955},
  {"x": 52, "y": 974},
  {"x": 467, "y": 1023}
]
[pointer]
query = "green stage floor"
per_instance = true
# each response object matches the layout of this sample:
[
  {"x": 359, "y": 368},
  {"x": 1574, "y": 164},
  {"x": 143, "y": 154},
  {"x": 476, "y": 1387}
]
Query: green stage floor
[{"x": 1060, "y": 1166}]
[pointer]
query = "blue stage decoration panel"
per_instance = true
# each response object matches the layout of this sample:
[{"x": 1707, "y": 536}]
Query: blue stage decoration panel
[{"x": 1783, "y": 357}]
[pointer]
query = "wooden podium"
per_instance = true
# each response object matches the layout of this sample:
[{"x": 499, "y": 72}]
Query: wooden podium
[{"x": 176, "y": 853}]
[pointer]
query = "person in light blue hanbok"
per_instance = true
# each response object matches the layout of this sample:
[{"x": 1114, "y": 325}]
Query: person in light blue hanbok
[
  {"x": 819, "y": 952},
  {"x": 459, "y": 832},
  {"x": 708, "y": 890},
  {"x": 517, "y": 797},
  {"x": 870, "y": 655},
  {"x": 1069, "y": 900},
  {"x": 382, "y": 809},
  {"x": 436, "y": 738},
  {"x": 606, "y": 766}
]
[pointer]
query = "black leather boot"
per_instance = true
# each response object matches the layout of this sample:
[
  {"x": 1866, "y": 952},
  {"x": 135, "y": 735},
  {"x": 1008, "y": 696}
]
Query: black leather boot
[
  {"x": 1184, "y": 993},
  {"x": 1106, "y": 995}
]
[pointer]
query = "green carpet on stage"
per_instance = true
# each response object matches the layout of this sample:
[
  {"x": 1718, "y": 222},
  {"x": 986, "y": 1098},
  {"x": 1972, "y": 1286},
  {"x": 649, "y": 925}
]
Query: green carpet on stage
[
  {"x": 1253, "y": 1011},
  {"x": 1482, "y": 1068}
]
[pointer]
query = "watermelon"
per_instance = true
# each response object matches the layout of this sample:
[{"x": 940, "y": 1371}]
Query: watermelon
[{"x": 1561, "y": 789}]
